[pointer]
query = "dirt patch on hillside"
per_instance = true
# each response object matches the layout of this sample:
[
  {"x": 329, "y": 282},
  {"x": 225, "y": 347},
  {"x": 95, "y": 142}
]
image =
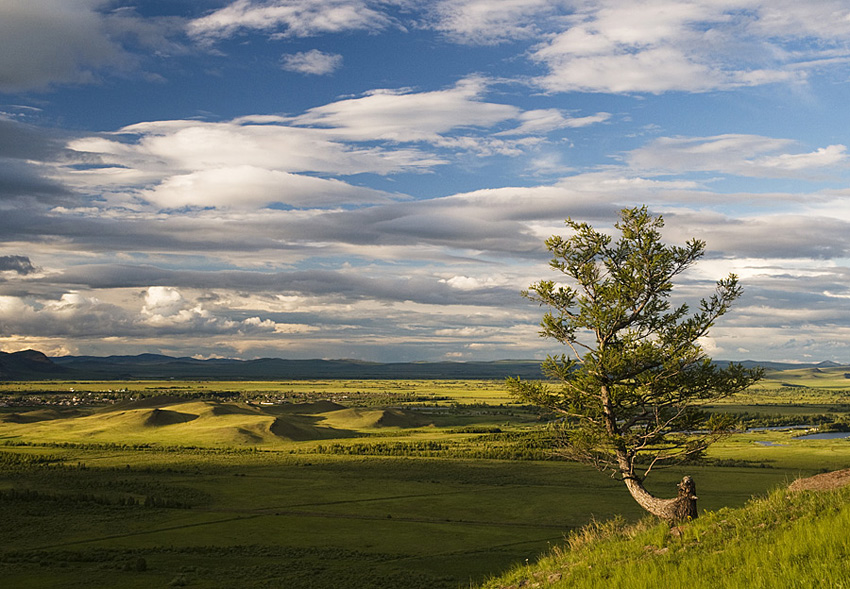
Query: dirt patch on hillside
[{"x": 822, "y": 482}]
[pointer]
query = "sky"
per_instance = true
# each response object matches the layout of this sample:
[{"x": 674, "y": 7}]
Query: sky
[{"x": 374, "y": 179}]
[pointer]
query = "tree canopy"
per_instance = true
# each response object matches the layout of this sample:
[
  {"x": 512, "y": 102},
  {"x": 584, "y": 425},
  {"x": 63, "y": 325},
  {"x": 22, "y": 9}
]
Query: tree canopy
[{"x": 635, "y": 373}]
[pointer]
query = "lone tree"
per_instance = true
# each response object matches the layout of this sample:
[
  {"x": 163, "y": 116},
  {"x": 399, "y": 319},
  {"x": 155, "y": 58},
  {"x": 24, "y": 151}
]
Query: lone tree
[{"x": 630, "y": 388}]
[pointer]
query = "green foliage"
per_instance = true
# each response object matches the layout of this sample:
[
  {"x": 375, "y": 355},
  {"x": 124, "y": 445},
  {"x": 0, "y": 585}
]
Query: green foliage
[
  {"x": 517, "y": 445},
  {"x": 637, "y": 369}
]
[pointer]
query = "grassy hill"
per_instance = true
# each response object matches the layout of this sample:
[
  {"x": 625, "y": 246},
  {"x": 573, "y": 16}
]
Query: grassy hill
[
  {"x": 169, "y": 420},
  {"x": 787, "y": 539}
]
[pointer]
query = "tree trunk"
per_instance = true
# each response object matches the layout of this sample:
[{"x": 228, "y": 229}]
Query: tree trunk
[{"x": 681, "y": 508}]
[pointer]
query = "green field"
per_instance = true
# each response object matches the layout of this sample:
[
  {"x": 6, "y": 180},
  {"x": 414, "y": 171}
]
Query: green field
[{"x": 329, "y": 484}]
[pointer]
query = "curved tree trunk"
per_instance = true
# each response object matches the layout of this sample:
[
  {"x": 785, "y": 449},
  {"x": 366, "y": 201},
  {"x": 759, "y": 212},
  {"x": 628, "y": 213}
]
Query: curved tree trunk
[{"x": 683, "y": 507}]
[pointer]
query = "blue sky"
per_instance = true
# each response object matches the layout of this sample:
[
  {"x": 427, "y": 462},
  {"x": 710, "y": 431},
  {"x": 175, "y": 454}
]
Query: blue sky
[{"x": 374, "y": 179}]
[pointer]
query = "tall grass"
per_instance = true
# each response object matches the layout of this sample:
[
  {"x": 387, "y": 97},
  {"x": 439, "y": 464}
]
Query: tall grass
[{"x": 786, "y": 540}]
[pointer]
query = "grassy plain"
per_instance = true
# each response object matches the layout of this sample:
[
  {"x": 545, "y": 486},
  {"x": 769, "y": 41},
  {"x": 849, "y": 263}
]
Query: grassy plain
[{"x": 327, "y": 483}]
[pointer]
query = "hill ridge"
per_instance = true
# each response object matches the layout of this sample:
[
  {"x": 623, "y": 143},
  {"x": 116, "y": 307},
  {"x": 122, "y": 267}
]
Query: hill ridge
[
  {"x": 34, "y": 365},
  {"x": 791, "y": 534}
]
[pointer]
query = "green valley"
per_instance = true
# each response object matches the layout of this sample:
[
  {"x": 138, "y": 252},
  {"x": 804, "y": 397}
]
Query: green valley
[{"x": 355, "y": 483}]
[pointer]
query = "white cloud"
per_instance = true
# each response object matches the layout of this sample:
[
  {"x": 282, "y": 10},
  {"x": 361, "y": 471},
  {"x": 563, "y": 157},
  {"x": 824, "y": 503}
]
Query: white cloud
[
  {"x": 313, "y": 62},
  {"x": 291, "y": 18},
  {"x": 163, "y": 300},
  {"x": 821, "y": 19},
  {"x": 654, "y": 70},
  {"x": 657, "y": 46},
  {"x": 546, "y": 120},
  {"x": 272, "y": 143},
  {"x": 237, "y": 163},
  {"x": 487, "y": 22},
  {"x": 472, "y": 283},
  {"x": 410, "y": 116},
  {"x": 831, "y": 155},
  {"x": 250, "y": 186},
  {"x": 258, "y": 160},
  {"x": 738, "y": 154}
]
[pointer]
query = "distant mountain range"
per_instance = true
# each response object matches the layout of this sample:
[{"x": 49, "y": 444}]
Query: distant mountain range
[{"x": 34, "y": 365}]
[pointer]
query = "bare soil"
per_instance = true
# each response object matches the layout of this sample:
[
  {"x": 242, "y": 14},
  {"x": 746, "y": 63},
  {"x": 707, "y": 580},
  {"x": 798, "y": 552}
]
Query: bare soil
[{"x": 822, "y": 482}]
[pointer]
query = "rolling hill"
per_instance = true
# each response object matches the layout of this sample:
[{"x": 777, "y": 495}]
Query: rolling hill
[{"x": 166, "y": 420}]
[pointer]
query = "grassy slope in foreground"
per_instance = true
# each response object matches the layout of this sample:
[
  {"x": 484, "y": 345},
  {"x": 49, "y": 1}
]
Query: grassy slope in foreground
[{"x": 786, "y": 539}]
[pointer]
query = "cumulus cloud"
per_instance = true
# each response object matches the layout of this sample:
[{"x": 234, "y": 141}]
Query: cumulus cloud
[
  {"x": 254, "y": 161},
  {"x": 410, "y": 116},
  {"x": 626, "y": 47},
  {"x": 166, "y": 312},
  {"x": 48, "y": 42},
  {"x": 658, "y": 46},
  {"x": 313, "y": 62},
  {"x": 163, "y": 300},
  {"x": 291, "y": 18},
  {"x": 29, "y": 181},
  {"x": 488, "y": 23},
  {"x": 19, "y": 264},
  {"x": 250, "y": 186},
  {"x": 28, "y": 159},
  {"x": 237, "y": 163},
  {"x": 164, "y": 147}
]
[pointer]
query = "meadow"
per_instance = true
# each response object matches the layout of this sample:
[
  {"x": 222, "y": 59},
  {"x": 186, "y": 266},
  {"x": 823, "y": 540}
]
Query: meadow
[{"x": 334, "y": 483}]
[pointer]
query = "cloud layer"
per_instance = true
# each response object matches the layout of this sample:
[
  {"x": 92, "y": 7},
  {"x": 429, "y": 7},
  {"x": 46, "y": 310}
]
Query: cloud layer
[{"x": 375, "y": 179}]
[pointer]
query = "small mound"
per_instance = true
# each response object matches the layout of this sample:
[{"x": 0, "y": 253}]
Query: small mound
[
  {"x": 364, "y": 418},
  {"x": 231, "y": 409},
  {"x": 286, "y": 428},
  {"x": 822, "y": 482},
  {"x": 39, "y": 415},
  {"x": 399, "y": 418},
  {"x": 163, "y": 417}
]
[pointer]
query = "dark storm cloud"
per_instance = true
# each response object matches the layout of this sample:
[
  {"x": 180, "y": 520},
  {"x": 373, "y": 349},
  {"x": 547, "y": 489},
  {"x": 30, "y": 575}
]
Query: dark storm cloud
[
  {"x": 49, "y": 42},
  {"x": 28, "y": 159},
  {"x": 20, "y": 264},
  {"x": 380, "y": 226},
  {"x": 26, "y": 142},
  {"x": 19, "y": 180}
]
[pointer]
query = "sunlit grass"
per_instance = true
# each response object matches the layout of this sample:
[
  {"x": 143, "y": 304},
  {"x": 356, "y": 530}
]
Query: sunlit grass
[{"x": 782, "y": 540}]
